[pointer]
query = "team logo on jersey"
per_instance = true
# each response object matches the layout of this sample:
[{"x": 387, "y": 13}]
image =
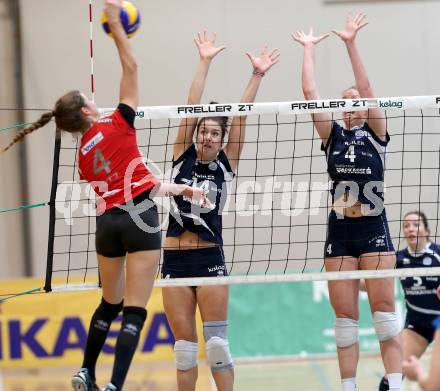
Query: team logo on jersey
[
  {"x": 217, "y": 268},
  {"x": 379, "y": 241},
  {"x": 359, "y": 133},
  {"x": 105, "y": 120},
  {"x": 213, "y": 166},
  {"x": 427, "y": 261},
  {"x": 406, "y": 261},
  {"x": 93, "y": 142},
  {"x": 353, "y": 170}
]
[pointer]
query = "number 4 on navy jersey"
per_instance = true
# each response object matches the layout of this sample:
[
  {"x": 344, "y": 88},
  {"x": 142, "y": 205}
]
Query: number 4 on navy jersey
[{"x": 350, "y": 154}]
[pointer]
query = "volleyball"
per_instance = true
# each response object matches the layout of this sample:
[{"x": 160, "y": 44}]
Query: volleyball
[{"x": 130, "y": 19}]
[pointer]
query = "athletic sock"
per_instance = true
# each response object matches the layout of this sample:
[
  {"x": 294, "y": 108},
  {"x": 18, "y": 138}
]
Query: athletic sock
[
  {"x": 126, "y": 344},
  {"x": 349, "y": 384},
  {"x": 395, "y": 381},
  {"x": 98, "y": 330}
]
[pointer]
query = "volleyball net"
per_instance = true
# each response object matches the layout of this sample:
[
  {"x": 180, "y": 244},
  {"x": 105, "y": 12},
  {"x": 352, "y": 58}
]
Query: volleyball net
[{"x": 275, "y": 215}]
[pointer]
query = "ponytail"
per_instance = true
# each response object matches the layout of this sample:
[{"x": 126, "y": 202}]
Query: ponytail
[
  {"x": 68, "y": 117},
  {"x": 43, "y": 120}
]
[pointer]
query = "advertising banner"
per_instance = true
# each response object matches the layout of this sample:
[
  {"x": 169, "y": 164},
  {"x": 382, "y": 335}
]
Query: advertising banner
[
  {"x": 50, "y": 329},
  {"x": 265, "y": 320},
  {"x": 291, "y": 319}
]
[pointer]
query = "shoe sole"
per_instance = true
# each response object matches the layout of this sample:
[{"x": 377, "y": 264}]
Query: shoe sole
[{"x": 78, "y": 384}]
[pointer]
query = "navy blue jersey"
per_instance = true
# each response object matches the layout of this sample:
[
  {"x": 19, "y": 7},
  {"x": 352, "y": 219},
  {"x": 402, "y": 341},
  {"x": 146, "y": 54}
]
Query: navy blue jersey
[
  {"x": 214, "y": 177},
  {"x": 356, "y": 155},
  {"x": 420, "y": 292}
]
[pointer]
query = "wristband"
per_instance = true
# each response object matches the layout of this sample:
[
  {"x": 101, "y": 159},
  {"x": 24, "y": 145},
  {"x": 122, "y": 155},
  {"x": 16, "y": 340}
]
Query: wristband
[{"x": 258, "y": 73}]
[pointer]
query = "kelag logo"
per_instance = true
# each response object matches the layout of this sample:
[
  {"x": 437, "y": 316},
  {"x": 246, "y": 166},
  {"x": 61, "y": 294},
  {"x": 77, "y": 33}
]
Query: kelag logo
[
  {"x": 390, "y": 103},
  {"x": 72, "y": 335}
]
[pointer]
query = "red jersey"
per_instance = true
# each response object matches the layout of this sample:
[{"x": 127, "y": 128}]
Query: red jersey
[{"x": 110, "y": 160}]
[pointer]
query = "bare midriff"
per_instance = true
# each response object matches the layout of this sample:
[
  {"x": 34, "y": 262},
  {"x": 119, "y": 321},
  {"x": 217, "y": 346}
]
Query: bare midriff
[
  {"x": 351, "y": 211},
  {"x": 356, "y": 209},
  {"x": 187, "y": 241}
]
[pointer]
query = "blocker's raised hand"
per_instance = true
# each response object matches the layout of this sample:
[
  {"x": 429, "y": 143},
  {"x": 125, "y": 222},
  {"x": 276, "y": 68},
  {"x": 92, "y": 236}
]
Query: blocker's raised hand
[
  {"x": 265, "y": 61},
  {"x": 301, "y": 37},
  {"x": 206, "y": 45},
  {"x": 352, "y": 26}
]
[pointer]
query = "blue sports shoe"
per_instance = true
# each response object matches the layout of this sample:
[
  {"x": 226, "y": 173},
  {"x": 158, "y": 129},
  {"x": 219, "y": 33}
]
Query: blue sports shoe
[{"x": 83, "y": 382}]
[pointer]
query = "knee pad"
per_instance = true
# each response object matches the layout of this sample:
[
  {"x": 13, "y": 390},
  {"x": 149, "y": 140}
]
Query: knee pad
[
  {"x": 186, "y": 354},
  {"x": 346, "y": 332},
  {"x": 217, "y": 346},
  {"x": 386, "y": 325},
  {"x": 218, "y": 355},
  {"x": 218, "y": 328}
]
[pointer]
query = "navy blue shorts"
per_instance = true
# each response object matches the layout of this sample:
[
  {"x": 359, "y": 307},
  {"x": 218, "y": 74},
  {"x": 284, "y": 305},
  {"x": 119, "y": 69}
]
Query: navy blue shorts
[
  {"x": 422, "y": 324},
  {"x": 119, "y": 231},
  {"x": 354, "y": 236},
  {"x": 201, "y": 262}
]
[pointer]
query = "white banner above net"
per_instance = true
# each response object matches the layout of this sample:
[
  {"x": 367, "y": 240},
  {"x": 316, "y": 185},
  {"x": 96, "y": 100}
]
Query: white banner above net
[{"x": 285, "y": 108}]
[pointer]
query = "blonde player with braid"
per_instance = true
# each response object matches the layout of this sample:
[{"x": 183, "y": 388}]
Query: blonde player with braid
[{"x": 42, "y": 121}]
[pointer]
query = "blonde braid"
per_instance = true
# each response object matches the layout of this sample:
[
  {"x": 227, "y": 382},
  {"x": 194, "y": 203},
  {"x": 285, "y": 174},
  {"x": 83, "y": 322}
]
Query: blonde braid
[{"x": 43, "y": 120}]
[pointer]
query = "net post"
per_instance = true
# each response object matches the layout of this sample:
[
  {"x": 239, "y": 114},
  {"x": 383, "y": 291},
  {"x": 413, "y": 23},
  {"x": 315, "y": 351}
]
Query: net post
[{"x": 52, "y": 211}]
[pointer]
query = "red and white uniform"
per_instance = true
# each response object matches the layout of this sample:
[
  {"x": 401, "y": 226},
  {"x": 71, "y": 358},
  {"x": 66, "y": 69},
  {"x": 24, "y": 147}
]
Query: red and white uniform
[{"x": 110, "y": 160}]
